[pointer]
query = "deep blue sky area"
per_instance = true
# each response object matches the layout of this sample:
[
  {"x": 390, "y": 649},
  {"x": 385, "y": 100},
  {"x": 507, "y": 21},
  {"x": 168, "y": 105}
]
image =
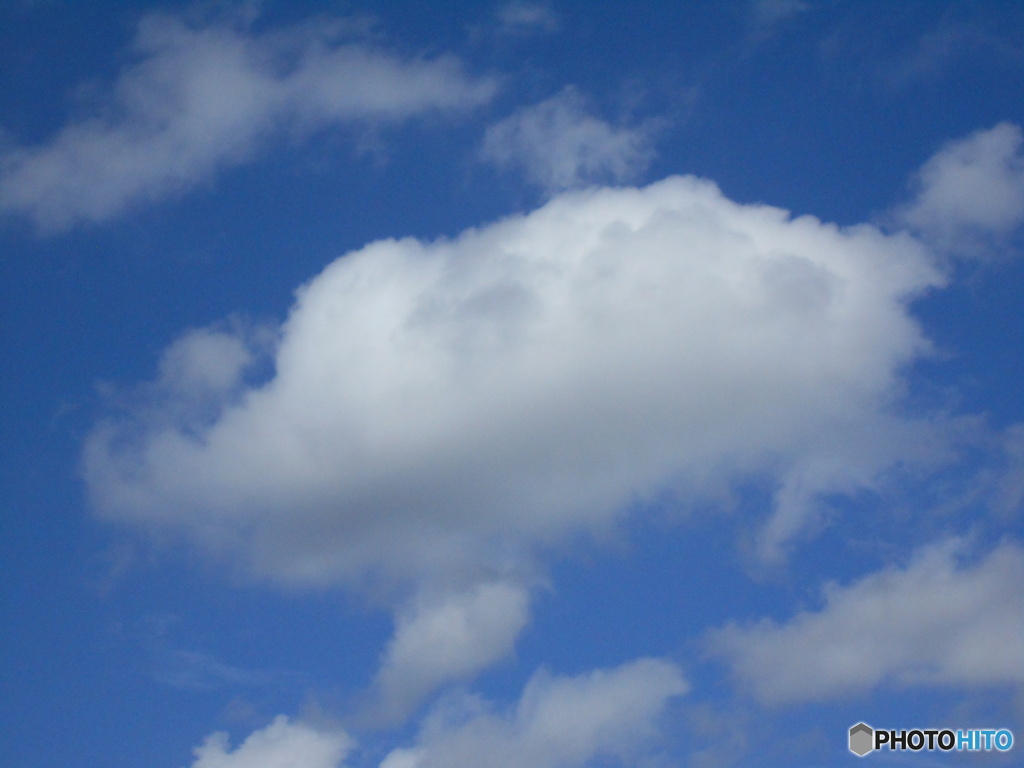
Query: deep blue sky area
[{"x": 523, "y": 385}]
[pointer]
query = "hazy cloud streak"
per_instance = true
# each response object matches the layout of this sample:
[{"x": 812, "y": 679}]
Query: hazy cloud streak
[
  {"x": 558, "y": 145},
  {"x": 937, "y": 621},
  {"x": 201, "y": 98}
]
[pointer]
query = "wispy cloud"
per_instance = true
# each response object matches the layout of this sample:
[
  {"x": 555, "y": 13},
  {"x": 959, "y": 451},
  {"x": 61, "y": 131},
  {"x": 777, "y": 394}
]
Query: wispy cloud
[
  {"x": 201, "y": 98},
  {"x": 765, "y": 16},
  {"x": 201, "y": 671},
  {"x": 557, "y": 145},
  {"x": 939, "y": 48},
  {"x": 894, "y": 63},
  {"x": 937, "y": 621},
  {"x": 525, "y": 18},
  {"x": 443, "y": 640},
  {"x": 560, "y": 722}
]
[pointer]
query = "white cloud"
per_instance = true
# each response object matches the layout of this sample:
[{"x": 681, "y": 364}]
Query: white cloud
[
  {"x": 937, "y": 621},
  {"x": 281, "y": 744},
  {"x": 446, "y": 639},
  {"x": 451, "y": 407},
  {"x": 559, "y": 722},
  {"x": 558, "y": 145},
  {"x": 199, "y": 98},
  {"x": 204, "y": 360},
  {"x": 971, "y": 191}
]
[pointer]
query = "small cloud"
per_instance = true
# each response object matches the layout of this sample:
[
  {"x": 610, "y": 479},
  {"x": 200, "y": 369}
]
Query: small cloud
[
  {"x": 970, "y": 194},
  {"x": 935, "y": 622},
  {"x": 281, "y": 744},
  {"x": 525, "y": 18},
  {"x": 439, "y": 641},
  {"x": 891, "y": 62},
  {"x": 204, "y": 360},
  {"x": 558, "y": 145}
]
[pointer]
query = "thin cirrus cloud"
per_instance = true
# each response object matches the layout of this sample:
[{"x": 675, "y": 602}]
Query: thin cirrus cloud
[
  {"x": 935, "y": 622},
  {"x": 201, "y": 98},
  {"x": 197, "y": 670},
  {"x": 557, "y": 145},
  {"x": 519, "y": 18}
]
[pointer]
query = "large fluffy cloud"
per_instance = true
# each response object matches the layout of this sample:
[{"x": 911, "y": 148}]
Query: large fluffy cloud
[
  {"x": 443, "y": 409},
  {"x": 559, "y": 722},
  {"x": 200, "y": 97},
  {"x": 937, "y": 621},
  {"x": 441, "y": 414}
]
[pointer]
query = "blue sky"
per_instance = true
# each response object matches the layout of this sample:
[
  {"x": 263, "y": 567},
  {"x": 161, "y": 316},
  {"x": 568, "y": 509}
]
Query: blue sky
[{"x": 526, "y": 384}]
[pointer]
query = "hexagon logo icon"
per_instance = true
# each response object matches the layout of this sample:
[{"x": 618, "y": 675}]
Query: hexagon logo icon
[{"x": 862, "y": 738}]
